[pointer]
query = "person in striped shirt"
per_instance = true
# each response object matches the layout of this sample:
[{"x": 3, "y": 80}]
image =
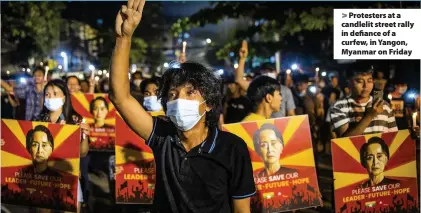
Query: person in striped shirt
[{"x": 360, "y": 114}]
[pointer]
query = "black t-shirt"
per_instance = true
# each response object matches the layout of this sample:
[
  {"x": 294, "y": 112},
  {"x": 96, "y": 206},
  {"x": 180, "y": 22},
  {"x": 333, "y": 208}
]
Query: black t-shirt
[
  {"x": 237, "y": 109},
  {"x": 6, "y": 108},
  {"x": 206, "y": 178}
]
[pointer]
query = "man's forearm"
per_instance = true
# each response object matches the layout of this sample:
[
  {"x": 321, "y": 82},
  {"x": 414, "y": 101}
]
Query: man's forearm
[
  {"x": 240, "y": 70},
  {"x": 6, "y": 86},
  {"x": 120, "y": 88},
  {"x": 84, "y": 147},
  {"x": 359, "y": 128}
]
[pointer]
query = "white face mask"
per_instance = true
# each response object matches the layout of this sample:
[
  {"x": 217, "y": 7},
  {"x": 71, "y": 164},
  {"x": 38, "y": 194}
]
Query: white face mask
[
  {"x": 184, "y": 113},
  {"x": 53, "y": 104},
  {"x": 137, "y": 82},
  {"x": 106, "y": 88},
  {"x": 302, "y": 94},
  {"x": 152, "y": 104},
  {"x": 270, "y": 74}
]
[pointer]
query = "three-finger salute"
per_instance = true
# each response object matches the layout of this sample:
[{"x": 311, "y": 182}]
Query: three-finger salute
[{"x": 128, "y": 18}]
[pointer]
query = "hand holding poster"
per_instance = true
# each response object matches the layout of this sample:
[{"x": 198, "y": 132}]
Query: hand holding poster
[
  {"x": 40, "y": 164},
  {"x": 135, "y": 167},
  {"x": 100, "y": 114},
  {"x": 379, "y": 175},
  {"x": 283, "y": 163}
]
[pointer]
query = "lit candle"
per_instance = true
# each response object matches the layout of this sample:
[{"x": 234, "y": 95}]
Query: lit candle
[
  {"x": 414, "y": 119},
  {"x": 93, "y": 74},
  {"x": 278, "y": 61},
  {"x": 83, "y": 135},
  {"x": 389, "y": 96},
  {"x": 46, "y": 73},
  {"x": 184, "y": 46}
]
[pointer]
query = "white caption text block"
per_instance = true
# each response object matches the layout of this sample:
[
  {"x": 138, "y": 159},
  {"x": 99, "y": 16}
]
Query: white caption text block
[{"x": 377, "y": 34}]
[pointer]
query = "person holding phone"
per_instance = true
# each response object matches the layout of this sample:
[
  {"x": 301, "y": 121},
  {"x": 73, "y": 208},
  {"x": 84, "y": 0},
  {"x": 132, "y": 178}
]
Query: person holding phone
[{"x": 362, "y": 113}]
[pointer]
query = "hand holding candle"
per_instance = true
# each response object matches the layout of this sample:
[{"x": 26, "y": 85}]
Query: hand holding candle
[
  {"x": 414, "y": 119},
  {"x": 184, "y": 47},
  {"x": 83, "y": 134},
  {"x": 46, "y": 74}
]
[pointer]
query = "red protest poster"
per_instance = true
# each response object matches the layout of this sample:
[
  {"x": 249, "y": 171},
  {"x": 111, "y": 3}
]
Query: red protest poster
[
  {"x": 379, "y": 175},
  {"x": 40, "y": 164},
  {"x": 283, "y": 163},
  {"x": 100, "y": 114},
  {"x": 135, "y": 167}
]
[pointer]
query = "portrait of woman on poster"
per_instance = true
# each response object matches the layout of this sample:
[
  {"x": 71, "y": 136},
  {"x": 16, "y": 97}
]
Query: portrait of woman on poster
[
  {"x": 374, "y": 156},
  {"x": 40, "y": 145},
  {"x": 269, "y": 145},
  {"x": 58, "y": 109},
  {"x": 99, "y": 109}
]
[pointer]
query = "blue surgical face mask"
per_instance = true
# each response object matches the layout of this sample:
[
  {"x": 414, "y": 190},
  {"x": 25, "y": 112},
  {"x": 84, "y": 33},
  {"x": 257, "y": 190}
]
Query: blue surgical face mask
[
  {"x": 53, "y": 104},
  {"x": 152, "y": 104},
  {"x": 184, "y": 113}
]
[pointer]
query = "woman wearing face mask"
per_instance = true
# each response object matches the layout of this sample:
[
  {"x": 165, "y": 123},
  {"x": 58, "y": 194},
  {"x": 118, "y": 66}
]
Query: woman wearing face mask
[
  {"x": 58, "y": 109},
  {"x": 149, "y": 89}
]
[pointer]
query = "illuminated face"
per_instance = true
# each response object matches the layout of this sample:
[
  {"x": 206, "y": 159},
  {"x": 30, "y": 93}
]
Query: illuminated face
[
  {"x": 84, "y": 86},
  {"x": 276, "y": 101},
  {"x": 100, "y": 110},
  {"x": 375, "y": 159},
  {"x": 73, "y": 85},
  {"x": 334, "y": 81},
  {"x": 270, "y": 146},
  {"x": 151, "y": 90},
  {"x": 41, "y": 148},
  {"x": 233, "y": 87},
  {"x": 38, "y": 77},
  {"x": 362, "y": 85}
]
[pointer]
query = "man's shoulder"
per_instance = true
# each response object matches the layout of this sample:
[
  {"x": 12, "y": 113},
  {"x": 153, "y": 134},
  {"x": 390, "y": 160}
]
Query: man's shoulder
[
  {"x": 342, "y": 103},
  {"x": 231, "y": 139},
  {"x": 163, "y": 121},
  {"x": 285, "y": 89}
]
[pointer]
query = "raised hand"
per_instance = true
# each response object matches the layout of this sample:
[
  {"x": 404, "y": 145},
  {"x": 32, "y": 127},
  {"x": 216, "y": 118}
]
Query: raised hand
[
  {"x": 128, "y": 18},
  {"x": 85, "y": 128},
  {"x": 244, "y": 51},
  {"x": 182, "y": 57}
]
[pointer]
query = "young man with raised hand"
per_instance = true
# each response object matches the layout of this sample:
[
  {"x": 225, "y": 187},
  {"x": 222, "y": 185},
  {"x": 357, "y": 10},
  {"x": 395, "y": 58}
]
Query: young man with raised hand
[{"x": 199, "y": 168}]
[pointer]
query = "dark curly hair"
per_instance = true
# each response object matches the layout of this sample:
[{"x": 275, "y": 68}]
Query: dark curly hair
[
  {"x": 201, "y": 78},
  {"x": 145, "y": 83},
  {"x": 39, "y": 128},
  {"x": 259, "y": 88}
]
